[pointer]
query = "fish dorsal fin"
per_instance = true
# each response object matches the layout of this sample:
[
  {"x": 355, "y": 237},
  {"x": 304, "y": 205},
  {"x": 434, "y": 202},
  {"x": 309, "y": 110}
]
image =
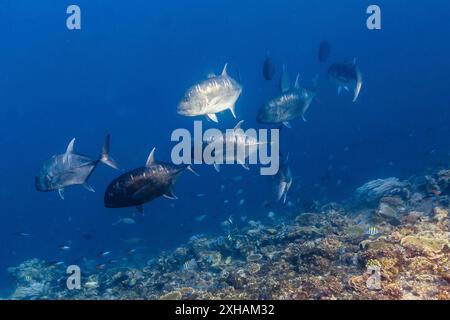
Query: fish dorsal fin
[
  {"x": 151, "y": 158},
  {"x": 224, "y": 71},
  {"x": 297, "y": 82},
  {"x": 70, "y": 146},
  {"x": 238, "y": 126}
]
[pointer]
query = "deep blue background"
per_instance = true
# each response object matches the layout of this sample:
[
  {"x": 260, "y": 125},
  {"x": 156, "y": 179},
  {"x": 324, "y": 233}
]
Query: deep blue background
[{"x": 126, "y": 70}]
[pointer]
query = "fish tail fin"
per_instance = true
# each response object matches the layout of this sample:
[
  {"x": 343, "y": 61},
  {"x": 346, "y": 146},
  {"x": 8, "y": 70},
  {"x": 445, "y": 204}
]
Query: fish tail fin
[
  {"x": 189, "y": 168},
  {"x": 104, "y": 157}
]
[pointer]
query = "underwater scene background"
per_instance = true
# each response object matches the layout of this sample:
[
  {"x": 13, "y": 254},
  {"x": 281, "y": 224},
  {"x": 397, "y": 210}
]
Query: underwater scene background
[{"x": 125, "y": 72}]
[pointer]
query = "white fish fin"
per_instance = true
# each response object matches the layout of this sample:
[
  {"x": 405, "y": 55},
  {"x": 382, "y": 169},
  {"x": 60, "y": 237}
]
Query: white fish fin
[
  {"x": 88, "y": 187},
  {"x": 303, "y": 118},
  {"x": 339, "y": 89},
  {"x": 238, "y": 126},
  {"x": 105, "y": 158},
  {"x": 189, "y": 168},
  {"x": 232, "y": 111},
  {"x": 357, "y": 90},
  {"x": 285, "y": 197},
  {"x": 224, "y": 71},
  {"x": 212, "y": 117},
  {"x": 169, "y": 195},
  {"x": 281, "y": 190},
  {"x": 244, "y": 165},
  {"x": 151, "y": 158},
  {"x": 69, "y": 151},
  {"x": 297, "y": 82},
  {"x": 117, "y": 222},
  {"x": 217, "y": 167},
  {"x": 61, "y": 193},
  {"x": 70, "y": 146},
  {"x": 287, "y": 124}
]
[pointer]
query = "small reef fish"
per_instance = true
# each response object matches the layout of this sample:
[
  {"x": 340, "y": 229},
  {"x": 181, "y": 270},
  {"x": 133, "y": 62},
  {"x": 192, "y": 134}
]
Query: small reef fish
[
  {"x": 64, "y": 248},
  {"x": 100, "y": 266},
  {"x": 200, "y": 218},
  {"x": 190, "y": 265},
  {"x": 102, "y": 254},
  {"x": 211, "y": 96},
  {"x": 283, "y": 179},
  {"x": 372, "y": 231},
  {"x": 128, "y": 221},
  {"x": 70, "y": 168},
  {"x": 22, "y": 234}
]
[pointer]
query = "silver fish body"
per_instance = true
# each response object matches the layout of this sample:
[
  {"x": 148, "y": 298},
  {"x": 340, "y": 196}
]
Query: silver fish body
[
  {"x": 211, "y": 96},
  {"x": 70, "y": 169},
  {"x": 286, "y": 107}
]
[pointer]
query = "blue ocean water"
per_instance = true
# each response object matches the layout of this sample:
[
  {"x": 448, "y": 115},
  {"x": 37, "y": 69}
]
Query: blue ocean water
[{"x": 125, "y": 71}]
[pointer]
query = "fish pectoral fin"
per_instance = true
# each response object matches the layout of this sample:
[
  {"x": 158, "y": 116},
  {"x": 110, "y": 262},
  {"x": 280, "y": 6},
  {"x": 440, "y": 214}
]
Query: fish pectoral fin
[
  {"x": 88, "y": 187},
  {"x": 217, "y": 167},
  {"x": 232, "y": 111},
  {"x": 238, "y": 126},
  {"x": 212, "y": 117},
  {"x": 303, "y": 118},
  {"x": 140, "y": 194},
  {"x": 287, "y": 124},
  {"x": 244, "y": 165},
  {"x": 189, "y": 168},
  {"x": 61, "y": 193},
  {"x": 347, "y": 89},
  {"x": 169, "y": 195}
]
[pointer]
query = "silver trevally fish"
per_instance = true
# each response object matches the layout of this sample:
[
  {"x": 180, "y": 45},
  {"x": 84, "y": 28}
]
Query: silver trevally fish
[
  {"x": 284, "y": 180},
  {"x": 216, "y": 94},
  {"x": 346, "y": 75},
  {"x": 70, "y": 168},
  {"x": 291, "y": 104},
  {"x": 239, "y": 140}
]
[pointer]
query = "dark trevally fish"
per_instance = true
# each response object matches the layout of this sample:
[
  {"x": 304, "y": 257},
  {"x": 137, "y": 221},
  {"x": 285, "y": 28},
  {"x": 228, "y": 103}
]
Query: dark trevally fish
[
  {"x": 141, "y": 185},
  {"x": 211, "y": 96},
  {"x": 283, "y": 179},
  {"x": 324, "y": 51},
  {"x": 346, "y": 75},
  {"x": 291, "y": 104},
  {"x": 70, "y": 168},
  {"x": 269, "y": 68}
]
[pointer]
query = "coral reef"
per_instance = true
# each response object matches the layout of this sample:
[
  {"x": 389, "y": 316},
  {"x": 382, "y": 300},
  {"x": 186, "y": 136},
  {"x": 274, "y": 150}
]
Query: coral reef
[{"x": 328, "y": 254}]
